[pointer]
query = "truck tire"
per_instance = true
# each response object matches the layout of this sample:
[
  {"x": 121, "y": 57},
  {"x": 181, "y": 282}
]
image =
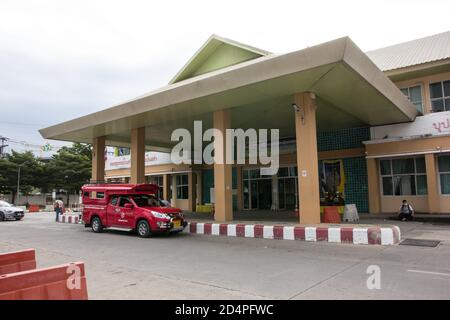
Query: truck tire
[
  {"x": 96, "y": 225},
  {"x": 143, "y": 229}
]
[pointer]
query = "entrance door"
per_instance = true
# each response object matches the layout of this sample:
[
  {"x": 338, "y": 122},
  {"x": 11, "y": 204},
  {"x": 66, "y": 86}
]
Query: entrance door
[
  {"x": 264, "y": 194},
  {"x": 290, "y": 193}
]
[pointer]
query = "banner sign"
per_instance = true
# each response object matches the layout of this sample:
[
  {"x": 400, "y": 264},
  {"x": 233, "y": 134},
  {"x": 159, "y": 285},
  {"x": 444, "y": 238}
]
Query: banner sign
[
  {"x": 124, "y": 162},
  {"x": 433, "y": 124}
]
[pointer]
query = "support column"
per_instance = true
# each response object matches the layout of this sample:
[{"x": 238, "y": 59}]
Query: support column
[
  {"x": 199, "y": 198},
  {"x": 137, "y": 155},
  {"x": 307, "y": 160},
  {"x": 223, "y": 199},
  {"x": 173, "y": 200},
  {"x": 240, "y": 200},
  {"x": 191, "y": 190},
  {"x": 373, "y": 182},
  {"x": 432, "y": 184},
  {"x": 165, "y": 187},
  {"x": 98, "y": 159}
]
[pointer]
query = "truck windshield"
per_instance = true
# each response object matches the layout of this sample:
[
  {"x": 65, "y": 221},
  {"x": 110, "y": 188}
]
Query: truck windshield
[{"x": 144, "y": 200}]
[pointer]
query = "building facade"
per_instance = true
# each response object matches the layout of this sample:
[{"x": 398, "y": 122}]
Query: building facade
[{"x": 377, "y": 128}]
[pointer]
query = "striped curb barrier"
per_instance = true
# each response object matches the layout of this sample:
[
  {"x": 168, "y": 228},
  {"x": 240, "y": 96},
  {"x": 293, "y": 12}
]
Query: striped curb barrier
[
  {"x": 376, "y": 235},
  {"x": 65, "y": 218}
]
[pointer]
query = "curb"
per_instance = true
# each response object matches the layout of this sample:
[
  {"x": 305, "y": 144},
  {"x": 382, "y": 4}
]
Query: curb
[
  {"x": 74, "y": 219},
  {"x": 386, "y": 235}
]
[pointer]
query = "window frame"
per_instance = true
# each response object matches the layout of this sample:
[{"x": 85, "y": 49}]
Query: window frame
[
  {"x": 392, "y": 175},
  {"x": 443, "y": 98},
  {"x": 439, "y": 175},
  {"x": 409, "y": 95},
  {"x": 182, "y": 186}
]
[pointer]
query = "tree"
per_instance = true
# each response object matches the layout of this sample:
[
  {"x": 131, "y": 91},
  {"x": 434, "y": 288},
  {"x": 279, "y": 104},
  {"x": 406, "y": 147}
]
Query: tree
[
  {"x": 9, "y": 169},
  {"x": 70, "y": 168}
]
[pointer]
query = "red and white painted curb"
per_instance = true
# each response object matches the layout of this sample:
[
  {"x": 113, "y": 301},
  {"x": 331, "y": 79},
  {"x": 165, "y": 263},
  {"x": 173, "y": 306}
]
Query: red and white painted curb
[
  {"x": 65, "y": 218},
  {"x": 381, "y": 235}
]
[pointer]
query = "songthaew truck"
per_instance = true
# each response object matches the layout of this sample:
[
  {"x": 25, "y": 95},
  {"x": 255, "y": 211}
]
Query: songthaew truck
[{"x": 132, "y": 207}]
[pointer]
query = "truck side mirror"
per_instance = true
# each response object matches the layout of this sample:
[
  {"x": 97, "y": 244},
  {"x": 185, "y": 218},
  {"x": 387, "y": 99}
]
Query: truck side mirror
[{"x": 128, "y": 206}]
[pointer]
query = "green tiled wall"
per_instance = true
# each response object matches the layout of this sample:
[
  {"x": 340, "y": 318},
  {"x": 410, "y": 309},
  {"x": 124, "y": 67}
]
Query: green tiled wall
[
  {"x": 342, "y": 139},
  {"x": 356, "y": 189}
]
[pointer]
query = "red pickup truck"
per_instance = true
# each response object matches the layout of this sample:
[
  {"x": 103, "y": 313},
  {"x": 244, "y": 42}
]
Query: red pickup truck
[{"x": 129, "y": 207}]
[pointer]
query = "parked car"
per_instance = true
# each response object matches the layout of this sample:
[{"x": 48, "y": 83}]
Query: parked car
[
  {"x": 129, "y": 207},
  {"x": 9, "y": 212}
]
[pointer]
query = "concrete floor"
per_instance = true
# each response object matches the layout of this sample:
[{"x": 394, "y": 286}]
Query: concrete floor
[{"x": 120, "y": 265}]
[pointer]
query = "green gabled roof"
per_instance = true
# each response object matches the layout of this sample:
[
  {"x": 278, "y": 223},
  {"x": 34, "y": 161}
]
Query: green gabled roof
[{"x": 215, "y": 54}]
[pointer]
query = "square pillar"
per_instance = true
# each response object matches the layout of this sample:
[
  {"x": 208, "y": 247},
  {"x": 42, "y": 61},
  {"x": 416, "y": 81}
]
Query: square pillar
[
  {"x": 432, "y": 183},
  {"x": 240, "y": 200},
  {"x": 98, "y": 159},
  {"x": 165, "y": 193},
  {"x": 191, "y": 190},
  {"x": 199, "y": 199},
  {"x": 307, "y": 159},
  {"x": 137, "y": 155},
  {"x": 373, "y": 181},
  {"x": 223, "y": 199},
  {"x": 173, "y": 200}
]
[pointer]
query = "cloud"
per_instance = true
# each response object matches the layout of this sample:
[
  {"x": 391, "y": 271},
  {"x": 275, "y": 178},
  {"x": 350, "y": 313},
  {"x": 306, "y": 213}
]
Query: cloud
[{"x": 64, "y": 59}]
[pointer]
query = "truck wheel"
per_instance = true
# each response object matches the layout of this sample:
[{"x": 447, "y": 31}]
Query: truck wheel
[
  {"x": 143, "y": 229},
  {"x": 96, "y": 225}
]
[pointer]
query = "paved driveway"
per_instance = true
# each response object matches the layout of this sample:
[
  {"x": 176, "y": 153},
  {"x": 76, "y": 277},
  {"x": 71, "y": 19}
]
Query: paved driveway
[{"x": 120, "y": 265}]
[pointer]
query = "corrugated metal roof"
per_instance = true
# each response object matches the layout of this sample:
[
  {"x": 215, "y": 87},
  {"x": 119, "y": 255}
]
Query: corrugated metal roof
[{"x": 428, "y": 49}]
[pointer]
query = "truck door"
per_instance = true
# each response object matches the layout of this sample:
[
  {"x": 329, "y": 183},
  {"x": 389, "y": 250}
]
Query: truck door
[
  {"x": 112, "y": 212},
  {"x": 126, "y": 217}
]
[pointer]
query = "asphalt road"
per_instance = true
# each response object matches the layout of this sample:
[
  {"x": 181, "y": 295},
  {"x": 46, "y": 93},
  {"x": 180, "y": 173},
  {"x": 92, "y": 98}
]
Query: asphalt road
[{"x": 119, "y": 265}]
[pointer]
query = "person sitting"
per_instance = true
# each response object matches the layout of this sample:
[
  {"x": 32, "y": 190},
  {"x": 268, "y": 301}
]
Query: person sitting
[{"x": 406, "y": 211}]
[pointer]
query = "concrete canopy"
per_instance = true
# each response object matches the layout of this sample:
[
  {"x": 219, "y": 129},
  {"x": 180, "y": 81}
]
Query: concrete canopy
[
  {"x": 351, "y": 91},
  {"x": 215, "y": 54}
]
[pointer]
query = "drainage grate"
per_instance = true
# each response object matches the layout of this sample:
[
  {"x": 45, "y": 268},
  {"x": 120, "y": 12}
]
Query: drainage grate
[{"x": 420, "y": 243}]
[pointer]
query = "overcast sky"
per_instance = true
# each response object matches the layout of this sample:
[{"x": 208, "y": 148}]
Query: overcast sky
[{"x": 61, "y": 59}]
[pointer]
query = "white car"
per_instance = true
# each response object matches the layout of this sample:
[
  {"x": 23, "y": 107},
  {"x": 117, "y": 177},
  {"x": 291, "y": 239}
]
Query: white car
[{"x": 9, "y": 212}]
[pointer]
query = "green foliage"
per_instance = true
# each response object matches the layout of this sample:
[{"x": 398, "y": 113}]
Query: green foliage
[
  {"x": 9, "y": 169},
  {"x": 70, "y": 168},
  {"x": 67, "y": 170}
]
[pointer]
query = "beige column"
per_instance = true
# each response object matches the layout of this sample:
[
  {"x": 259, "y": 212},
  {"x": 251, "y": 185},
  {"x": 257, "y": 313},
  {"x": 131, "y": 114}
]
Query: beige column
[
  {"x": 137, "y": 155},
  {"x": 307, "y": 161},
  {"x": 373, "y": 181},
  {"x": 240, "y": 202},
  {"x": 173, "y": 200},
  {"x": 98, "y": 159},
  {"x": 191, "y": 190},
  {"x": 199, "y": 199},
  {"x": 223, "y": 201},
  {"x": 165, "y": 187},
  {"x": 432, "y": 183}
]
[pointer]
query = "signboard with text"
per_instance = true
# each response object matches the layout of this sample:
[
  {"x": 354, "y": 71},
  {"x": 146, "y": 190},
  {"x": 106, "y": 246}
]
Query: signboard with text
[{"x": 431, "y": 124}]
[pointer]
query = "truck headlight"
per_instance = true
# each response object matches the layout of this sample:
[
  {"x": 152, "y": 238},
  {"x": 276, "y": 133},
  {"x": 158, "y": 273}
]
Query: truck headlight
[{"x": 160, "y": 215}]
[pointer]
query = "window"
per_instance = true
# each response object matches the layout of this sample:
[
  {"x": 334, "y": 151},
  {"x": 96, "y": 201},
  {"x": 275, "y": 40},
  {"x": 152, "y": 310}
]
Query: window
[
  {"x": 414, "y": 95},
  {"x": 444, "y": 173},
  {"x": 114, "y": 200},
  {"x": 123, "y": 201},
  {"x": 403, "y": 176},
  {"x": 182, "y": 186},
  {"x": 100, "y": 195},
  {"x": 440, "y": 96}
]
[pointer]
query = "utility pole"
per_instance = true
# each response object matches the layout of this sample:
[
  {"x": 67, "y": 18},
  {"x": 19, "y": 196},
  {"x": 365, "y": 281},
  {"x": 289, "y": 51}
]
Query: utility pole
[
  {"x": 18, "y": 185},
  {"x": 3, "y": 147}
]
